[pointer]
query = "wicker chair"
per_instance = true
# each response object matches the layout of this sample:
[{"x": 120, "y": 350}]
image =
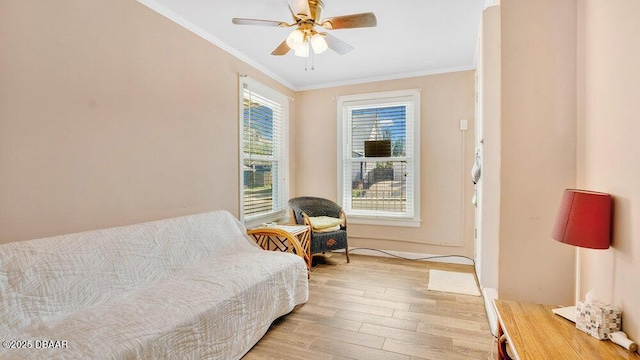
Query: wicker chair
[{"x": 305, "y": 207}]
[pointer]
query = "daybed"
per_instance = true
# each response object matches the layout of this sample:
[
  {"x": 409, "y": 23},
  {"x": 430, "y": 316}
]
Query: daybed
[{"x": 193, "y": 287}]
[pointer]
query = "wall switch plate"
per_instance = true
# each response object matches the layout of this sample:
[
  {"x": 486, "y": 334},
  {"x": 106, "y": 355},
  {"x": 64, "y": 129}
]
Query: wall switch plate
[{"x": 464, "y": 124}]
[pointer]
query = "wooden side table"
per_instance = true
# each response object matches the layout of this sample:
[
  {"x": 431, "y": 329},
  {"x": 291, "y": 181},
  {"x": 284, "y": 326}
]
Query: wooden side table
[
  {"x": 286, "y": 238},
  {"x": 534, "y": 332}
]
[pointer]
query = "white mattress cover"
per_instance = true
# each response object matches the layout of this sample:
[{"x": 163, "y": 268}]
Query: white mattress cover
[{"x": 191, "y": 287}]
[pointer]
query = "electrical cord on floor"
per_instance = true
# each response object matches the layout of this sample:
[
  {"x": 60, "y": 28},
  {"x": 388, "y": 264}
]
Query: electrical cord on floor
[
  {"x": 416, "y": 259},
  {"x": 427, "y": 258}
]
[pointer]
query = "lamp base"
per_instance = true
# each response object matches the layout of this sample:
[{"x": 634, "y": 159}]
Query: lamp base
[{"x": 568, "y": 312}]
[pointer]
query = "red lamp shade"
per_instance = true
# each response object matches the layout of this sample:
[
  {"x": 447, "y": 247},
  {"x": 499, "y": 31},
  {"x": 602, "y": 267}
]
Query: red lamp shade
[{"x": 584, "y": 219}]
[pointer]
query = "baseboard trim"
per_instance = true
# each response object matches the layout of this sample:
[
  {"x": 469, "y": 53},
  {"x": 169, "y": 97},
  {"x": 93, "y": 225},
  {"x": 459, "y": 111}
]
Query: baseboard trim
[
  {"x": 452, "y": 259},
  {"x": 489, "y": 295}
]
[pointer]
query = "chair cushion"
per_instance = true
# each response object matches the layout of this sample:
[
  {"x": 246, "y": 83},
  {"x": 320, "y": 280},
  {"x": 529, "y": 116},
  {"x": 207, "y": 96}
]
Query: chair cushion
[
  {"x": 329, "y": 229},
  {"x": 324, "y": 222}
]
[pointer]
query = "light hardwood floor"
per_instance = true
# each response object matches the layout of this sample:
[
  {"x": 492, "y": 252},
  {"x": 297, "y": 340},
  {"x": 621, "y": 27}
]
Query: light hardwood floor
[{"x": 379, "y": 308}]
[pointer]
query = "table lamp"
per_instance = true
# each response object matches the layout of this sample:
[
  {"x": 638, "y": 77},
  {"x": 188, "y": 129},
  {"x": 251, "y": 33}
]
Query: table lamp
[{"x": 583, "y": 220}]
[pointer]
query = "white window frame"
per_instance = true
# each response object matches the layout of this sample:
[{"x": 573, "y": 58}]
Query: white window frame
[
  {"x": 388, "y": 98},
  {"x": 282, "y": 151}
]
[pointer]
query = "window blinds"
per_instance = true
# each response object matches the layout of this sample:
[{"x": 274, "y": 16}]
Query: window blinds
[
  {"x": 379, "y": 183},
  {"x": 262, "y": 152}
]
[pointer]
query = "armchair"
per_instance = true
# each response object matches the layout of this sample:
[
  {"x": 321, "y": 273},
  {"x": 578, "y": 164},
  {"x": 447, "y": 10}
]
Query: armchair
[{"x": 306, "y": 207}]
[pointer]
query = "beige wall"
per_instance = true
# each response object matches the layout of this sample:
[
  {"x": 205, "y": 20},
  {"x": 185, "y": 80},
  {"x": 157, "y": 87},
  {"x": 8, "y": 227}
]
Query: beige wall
[
  {"x": 445, "y": 99},
  {"x": 570, "y": 90},
  {"x": 608, "y": 146},
  {"x": 538, "y": 147},
  {"x": 111, "y": 114},
  {"x": 108, "y": 120}
]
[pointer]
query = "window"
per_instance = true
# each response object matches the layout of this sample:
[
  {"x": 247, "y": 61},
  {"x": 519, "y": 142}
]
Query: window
[
  {"x": 379, "y": 157},
  {"x": 264, "y": 114}
]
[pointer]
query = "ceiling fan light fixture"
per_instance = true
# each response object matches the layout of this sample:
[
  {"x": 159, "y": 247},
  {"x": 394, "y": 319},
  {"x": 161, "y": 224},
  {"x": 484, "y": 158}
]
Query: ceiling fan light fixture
[
  {"x": 303, "y": 50},
  {"x": 306, "y": 16},
  {"x": 295, "y": 39},
  {"x": 319, "y": 44}
]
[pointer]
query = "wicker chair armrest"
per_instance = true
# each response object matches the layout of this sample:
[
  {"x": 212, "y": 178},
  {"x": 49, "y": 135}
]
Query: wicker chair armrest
[
  {"x": 307, "y": 221},
  {"x": 343, "y": 217}
]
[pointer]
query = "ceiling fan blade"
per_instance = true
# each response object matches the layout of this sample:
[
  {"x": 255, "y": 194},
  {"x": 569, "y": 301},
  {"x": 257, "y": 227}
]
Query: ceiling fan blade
[
  {"x": 350, "y": 21},
  {"x": 293, "y": 14},
  {"x": 240, "y": 21},
  {"x": 282, "y": 49},
  {"x": 301, "y": 7},
  {"x": 336, "y": 44}
]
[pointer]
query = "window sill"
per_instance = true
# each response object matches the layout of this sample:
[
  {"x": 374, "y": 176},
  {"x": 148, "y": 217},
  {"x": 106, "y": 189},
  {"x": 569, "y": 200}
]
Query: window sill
[
  {"x": 277, "y": 218},
  {"x": 382, "y": 221}
]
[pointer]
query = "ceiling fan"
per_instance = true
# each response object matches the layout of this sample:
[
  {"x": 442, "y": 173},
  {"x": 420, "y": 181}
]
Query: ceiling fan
[{"x": 306, "y": 17}]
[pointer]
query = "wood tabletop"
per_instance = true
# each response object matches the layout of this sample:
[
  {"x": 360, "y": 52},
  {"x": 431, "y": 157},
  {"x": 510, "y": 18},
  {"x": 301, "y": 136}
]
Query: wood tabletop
[
  {"x": 534, "y": 332},
  {"x": 291, "y": 229}
]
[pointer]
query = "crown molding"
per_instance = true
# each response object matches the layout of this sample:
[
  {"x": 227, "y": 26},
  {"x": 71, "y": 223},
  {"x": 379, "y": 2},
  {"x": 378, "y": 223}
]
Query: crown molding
[
  {"x": 387, "y": 78},
  {"x": 175, "y": 17}
]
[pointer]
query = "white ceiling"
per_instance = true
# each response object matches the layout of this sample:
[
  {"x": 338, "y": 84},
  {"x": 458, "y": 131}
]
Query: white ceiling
[{"x": 413, "y": 37}]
